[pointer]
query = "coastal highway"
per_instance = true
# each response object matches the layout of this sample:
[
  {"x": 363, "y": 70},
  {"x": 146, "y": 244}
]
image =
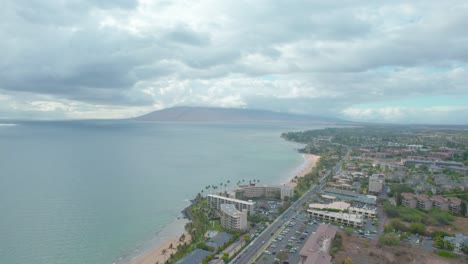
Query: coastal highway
[{"x": 258, "y": 245}]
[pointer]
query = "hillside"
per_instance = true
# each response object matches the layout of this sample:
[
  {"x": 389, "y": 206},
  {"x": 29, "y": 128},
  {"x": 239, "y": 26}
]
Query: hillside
[{"x": 212, "y": 114}]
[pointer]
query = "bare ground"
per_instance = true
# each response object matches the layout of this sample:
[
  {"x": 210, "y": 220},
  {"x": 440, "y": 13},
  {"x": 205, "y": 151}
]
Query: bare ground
[{"x": 366, "y": 251}]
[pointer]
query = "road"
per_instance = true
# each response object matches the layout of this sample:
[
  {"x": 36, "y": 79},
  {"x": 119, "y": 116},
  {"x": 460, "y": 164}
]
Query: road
[{"x": 258, "y": 245}]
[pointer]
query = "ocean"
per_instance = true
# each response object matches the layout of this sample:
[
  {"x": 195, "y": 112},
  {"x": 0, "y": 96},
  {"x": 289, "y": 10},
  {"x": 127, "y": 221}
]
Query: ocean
[{"x": 100, "y": 192}]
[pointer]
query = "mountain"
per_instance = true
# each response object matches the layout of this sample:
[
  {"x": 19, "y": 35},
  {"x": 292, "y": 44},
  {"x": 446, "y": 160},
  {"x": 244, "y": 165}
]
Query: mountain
[{"x": 213, "y": 114}]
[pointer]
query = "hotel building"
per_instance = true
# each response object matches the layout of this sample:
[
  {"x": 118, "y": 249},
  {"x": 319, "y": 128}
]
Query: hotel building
[
  {"x": 215, "y": 201},
  {"x": 233, "y": 219}
]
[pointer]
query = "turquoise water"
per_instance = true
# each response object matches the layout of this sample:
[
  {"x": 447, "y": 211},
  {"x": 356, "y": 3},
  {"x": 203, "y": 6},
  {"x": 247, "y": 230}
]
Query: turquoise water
[{"x": 97, "y": 191}]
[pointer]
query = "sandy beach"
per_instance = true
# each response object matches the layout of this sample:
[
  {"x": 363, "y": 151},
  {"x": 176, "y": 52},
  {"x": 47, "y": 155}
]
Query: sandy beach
[
  {"x": 161, "y": 253},
  {"x": 309, "y": 163}
]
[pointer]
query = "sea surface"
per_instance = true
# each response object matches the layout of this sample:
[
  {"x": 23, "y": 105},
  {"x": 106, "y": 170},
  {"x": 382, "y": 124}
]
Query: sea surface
[{"x": 85, "y": 192}]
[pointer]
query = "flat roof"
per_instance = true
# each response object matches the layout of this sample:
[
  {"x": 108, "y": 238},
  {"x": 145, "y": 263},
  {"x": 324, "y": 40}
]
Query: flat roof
[
  {"x": 346, "y": 216},
  {"x": 335, "y": 205},
  {"x": 229, "y": 209},
  {"x": 231, "y": 199},
  {"x": 318, "y": 244}
]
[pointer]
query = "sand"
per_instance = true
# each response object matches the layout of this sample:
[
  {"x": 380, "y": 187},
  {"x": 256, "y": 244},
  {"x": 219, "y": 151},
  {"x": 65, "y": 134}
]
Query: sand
[
  {"x": 309, "y": 164},
  {"x": 156, "y": 255}
]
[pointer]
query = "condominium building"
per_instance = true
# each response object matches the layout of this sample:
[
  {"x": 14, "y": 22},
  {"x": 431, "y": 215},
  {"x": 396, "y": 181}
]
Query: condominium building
[
  {"x": 233, "y": 219},
  {"x": 316, "y": 248},
  {"x": 452, "y": 204},
  {"x": 455, "y": 205},
  {"x": 440, "y": 202},
  {"x": 341, "y": 218},
  {"x": 366, "y": 212},
  {"x": 376, "y": 183},
  {"x": 408, "y": 200},
  {"x": 424, "y": 202},
  {"x": 267, "y": 191},
  {"x": 215, "y": 201}
]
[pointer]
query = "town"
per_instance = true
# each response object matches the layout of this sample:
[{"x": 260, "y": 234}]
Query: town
[{"x": 390, "y": 194}]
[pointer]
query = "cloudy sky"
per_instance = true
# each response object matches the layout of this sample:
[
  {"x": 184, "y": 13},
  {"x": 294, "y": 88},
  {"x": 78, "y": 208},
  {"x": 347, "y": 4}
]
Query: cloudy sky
[{"x": 386, "y": 61}]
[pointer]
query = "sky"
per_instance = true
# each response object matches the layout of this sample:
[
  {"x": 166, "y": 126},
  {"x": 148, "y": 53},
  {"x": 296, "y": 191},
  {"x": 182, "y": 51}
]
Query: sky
[{"x": 373, "y": 61}]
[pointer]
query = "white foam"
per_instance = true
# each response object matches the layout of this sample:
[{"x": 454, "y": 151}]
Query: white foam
[{"x": 7, "y": 125}]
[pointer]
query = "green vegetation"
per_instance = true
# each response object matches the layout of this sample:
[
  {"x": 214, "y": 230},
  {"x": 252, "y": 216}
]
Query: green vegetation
[
  {"x": 389, "y": 239},
  {"x": 439, "y": 242},
  {"x": 433, "y": 217},
  {"x": 337, "y": 244},
  {"x": 445, "y": 254}
]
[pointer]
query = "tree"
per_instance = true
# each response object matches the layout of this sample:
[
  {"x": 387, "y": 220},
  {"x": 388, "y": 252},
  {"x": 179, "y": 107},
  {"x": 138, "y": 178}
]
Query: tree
[
  {"x": 417, "y": 228},
  {"x": 463, "y": 208},
  {"x": 225, "y": 257},
  {"x": 465, "y": 248},
  {"x": 246, "y": 238},
  {"x": 389, "y": 239}
]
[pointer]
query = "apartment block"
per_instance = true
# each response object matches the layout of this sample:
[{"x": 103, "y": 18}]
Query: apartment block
[
  {"x": 233, "y": 219},
  {"x": 215, "y": 201}
]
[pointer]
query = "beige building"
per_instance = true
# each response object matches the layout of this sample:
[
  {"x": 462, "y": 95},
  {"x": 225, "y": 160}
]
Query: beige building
[
  {"x": 233, "y": 219},
  {"x": 341, "y": 218},
  {"x": 424, "y": 202},
  {"x": 440, "y": 202},
  {"x": 376, "y": 183},
  {"x": 316, "y": 248},
  {"x": 215, "y": 201},
  {"x": 408, "y": 200}
]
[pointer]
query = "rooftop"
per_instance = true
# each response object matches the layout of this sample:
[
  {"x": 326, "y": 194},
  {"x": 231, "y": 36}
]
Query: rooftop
[
  {"x": 229, "y": 209},
  {"x": 231, "y": 199}
]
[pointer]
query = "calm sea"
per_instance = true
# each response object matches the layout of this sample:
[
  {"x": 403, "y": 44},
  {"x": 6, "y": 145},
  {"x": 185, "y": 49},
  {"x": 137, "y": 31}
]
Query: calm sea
[{"x": 98, "y": 191}]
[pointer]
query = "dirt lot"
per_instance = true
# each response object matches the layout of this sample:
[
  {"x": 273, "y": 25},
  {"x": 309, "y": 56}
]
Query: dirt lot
[
  {"x": 460, "y": 225},
  {"x": 365, "y": 251}
]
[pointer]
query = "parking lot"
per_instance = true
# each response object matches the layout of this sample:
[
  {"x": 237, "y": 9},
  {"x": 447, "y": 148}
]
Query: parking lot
[
  {"x": 290, "y": 240},
  {"x": 296, "y": 232}
]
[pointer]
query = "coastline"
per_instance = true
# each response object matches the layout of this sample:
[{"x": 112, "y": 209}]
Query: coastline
[
  {"x": 161, "y": 252},
  {"x": 310, "y": 160}
]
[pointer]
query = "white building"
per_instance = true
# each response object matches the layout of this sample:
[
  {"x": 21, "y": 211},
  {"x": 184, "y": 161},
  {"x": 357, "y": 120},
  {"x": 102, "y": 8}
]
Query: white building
[
  {"x": 341, "y": 218},
  {"x": 267, "y": 191},
  {"x": 233, "y": 219},
  {"x": 215, "y": 201},
  {"x": 376, "y": 183}
]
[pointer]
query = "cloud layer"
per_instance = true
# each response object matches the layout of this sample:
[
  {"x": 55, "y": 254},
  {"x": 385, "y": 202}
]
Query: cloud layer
[{"x": 80, "y": 59}]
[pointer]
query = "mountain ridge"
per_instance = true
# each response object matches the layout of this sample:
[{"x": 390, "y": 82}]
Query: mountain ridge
[{"x": 218, "y": 114}]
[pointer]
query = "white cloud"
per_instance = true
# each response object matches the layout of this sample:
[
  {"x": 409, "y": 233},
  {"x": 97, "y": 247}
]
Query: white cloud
[{"x": 319, "y": 57}]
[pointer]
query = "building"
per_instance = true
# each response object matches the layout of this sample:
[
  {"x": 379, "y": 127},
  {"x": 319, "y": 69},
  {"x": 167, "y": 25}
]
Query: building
[
  {"x": 233, "y": 219},
  {"x": 364, "y": 211},
  {"x": 376, "y": 183},
  {"x": 266, "y": 191},
  {"x": 195, "y": 257},
  {"x": 408, "y": 200},
  {"x": 346, "y": 195},
  {"x": 455, "y": 205},
  {"x": 458, "y": 241},
  {"x": 328, "y": 198},
  {"x": 440, "y": 202},
  {"x": 424, "y": 202},
  {"x": 338, "y": 206},
  {"x": 215, "y": 201},
  {"x": 341, "y": 218},
  {"x": 316, "y": 248}
]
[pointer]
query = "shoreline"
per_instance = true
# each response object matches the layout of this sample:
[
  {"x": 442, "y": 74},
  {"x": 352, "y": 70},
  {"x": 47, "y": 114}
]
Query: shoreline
[
  {"x": 310, "y": 161},
  {"x": 154, "y": 255}
]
